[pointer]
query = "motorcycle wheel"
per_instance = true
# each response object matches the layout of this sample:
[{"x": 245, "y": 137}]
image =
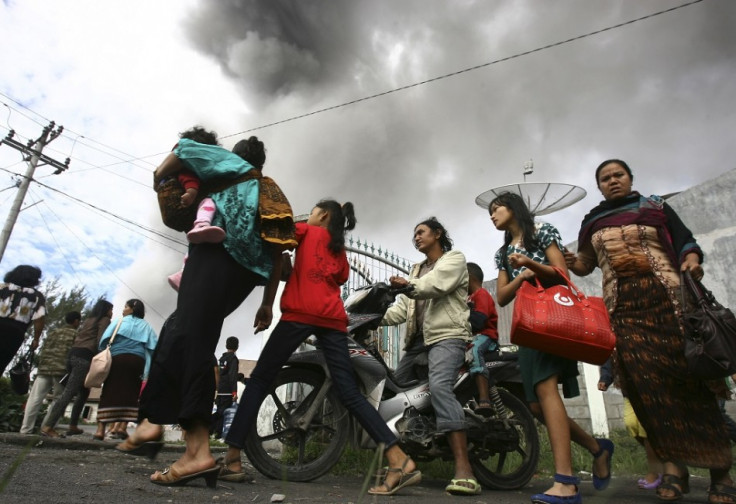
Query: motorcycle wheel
[
  {"x": 280, "y": 447},
  {"x": 513, "y": 469}
]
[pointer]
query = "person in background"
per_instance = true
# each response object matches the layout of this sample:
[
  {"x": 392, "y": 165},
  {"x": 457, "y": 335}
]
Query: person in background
[
  {"x": 535, "y": 250},
  {"x": 227, "y": 385},
  {"x": 653, "y": 477},
  {"x": 21, "y": 304},
  {"x": 642, "y": 247},
  {"x": 730, "y": 423},
  {"x": 437, "y": 318},
  {"x": 51, "y": 368},
  {"x": 78, "y": 362},
  {"x": 131, "y": 349},
  {"x": 484, "y": 324},
  {"x": 242, "y": 381}
]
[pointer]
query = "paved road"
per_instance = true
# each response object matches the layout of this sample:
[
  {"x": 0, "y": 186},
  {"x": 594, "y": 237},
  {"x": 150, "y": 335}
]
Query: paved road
[{"x": 39, "y": 470}]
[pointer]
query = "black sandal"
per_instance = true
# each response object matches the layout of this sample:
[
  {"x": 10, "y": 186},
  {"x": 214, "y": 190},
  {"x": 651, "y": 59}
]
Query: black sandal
[
  {"x": 722, "y": 490},
  {"x": 668, "y": 483},
  {"x": 484, "y": 408}
]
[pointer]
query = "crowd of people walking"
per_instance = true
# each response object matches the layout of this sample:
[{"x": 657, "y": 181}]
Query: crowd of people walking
[{"x": 639, "y": 243}]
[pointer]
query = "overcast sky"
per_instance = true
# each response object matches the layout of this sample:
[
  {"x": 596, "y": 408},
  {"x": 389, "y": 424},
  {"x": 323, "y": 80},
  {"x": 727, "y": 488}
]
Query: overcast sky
[{"x": 124, "y": 78}]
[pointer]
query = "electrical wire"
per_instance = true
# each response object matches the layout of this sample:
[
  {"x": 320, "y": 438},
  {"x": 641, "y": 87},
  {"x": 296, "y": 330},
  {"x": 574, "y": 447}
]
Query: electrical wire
[
  {"x": 469, "y": 69},
  {"x": 53, "y": 236},
  {"x": 79, "y": 240},
  {"x": 119, "y": 218}
]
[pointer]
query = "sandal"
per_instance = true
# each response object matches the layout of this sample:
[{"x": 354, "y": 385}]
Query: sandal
[
  {"x": 148, "y": 449},
  {"x": 169, "y": 477},
  {"x": 604, "y": 445},
  {"x": 668, "y": 483},
  {"x": 406, "y": 479},
  {"x": 722, "y": 490},
  {"x": 647, "y": 485},
  {"x": 51, "y": 433},
  {"x": 73, "y": 431},
  {"x": 575, "y": 498},
  {"x": 226, "y": 474},
  {"x": 484, "y": 408},
  {"x": 463, "y": 486}
]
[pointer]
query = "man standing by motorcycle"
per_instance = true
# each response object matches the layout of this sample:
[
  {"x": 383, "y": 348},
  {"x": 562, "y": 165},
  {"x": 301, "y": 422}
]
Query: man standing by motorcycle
[{"x": 437, "y": 317}]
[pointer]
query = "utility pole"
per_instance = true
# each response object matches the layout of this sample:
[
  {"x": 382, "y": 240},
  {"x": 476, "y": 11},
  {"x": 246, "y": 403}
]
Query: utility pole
[{"x": 33, "y": 152}]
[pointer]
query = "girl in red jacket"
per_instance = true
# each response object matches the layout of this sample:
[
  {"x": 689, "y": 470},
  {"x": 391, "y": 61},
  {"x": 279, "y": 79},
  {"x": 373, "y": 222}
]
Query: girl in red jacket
[{"x": 311, "y": 305}]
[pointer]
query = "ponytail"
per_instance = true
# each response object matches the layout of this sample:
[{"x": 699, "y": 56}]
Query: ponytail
[{"x": 342, "y": 218}]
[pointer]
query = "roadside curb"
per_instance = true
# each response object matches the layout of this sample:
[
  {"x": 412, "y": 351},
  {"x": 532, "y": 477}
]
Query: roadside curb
[{"x": 71, "y": 443}]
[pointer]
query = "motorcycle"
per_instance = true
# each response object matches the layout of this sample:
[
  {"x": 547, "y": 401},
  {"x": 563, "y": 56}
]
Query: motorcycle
[{"x": 303, "y": 429}]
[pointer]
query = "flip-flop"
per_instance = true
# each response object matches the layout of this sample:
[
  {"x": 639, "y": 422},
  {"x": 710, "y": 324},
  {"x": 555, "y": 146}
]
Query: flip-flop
[
  {"x": 406, "y": 479},
  {"x": 647, "y": 485},
  {"x": 456, "y": 487},
  {"x": 484, "y": 408}
]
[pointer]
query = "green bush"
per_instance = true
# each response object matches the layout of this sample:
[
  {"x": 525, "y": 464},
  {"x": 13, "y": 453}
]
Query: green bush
[{"x": 11, "y": 407}]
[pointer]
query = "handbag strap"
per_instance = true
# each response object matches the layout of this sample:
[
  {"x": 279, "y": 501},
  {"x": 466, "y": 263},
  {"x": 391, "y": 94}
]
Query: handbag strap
[
  {"x": 115, "y": 332},
  {"x": 697, "y": 290},
  {"x": 574, "y": 289}
]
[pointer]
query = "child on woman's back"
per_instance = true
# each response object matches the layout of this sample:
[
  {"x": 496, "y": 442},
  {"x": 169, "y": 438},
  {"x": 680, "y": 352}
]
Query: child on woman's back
[
  {"x": 202, "y": 231},
  {"x": 484, "y": 323}
]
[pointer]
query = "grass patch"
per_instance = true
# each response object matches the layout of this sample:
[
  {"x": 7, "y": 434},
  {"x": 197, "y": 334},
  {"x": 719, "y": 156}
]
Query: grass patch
[
  {"x": 629, "y": 460},
  {"x": 355, "y": 462}
]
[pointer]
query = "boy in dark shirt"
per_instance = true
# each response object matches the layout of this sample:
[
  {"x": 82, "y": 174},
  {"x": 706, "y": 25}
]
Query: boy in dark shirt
[{"x": 227, "y": 388}]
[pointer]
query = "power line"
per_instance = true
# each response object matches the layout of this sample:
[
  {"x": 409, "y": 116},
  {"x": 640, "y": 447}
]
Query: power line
[
  {"x": 465, "y": 70},
  {"x": 416, "y": 84},
  {"x": 107, "y": 267},
  {"x": 114, "y": 216},
  {"x": 118, "y": 217},
  {"x": 53, "y": 237}
]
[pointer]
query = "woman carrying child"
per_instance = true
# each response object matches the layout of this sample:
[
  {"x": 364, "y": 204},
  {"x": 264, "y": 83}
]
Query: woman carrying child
[
  {"x": 218, "y": 277},
  {"x": 531, "y": 250},
  {"x": 311, "y": 305}
]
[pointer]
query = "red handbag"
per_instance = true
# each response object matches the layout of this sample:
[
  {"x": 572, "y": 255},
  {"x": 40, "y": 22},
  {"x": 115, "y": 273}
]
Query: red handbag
[{"x": 561, "y": 320}]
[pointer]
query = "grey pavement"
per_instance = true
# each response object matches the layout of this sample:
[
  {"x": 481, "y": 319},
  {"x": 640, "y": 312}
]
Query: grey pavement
[{"x": 78, "y": 469}]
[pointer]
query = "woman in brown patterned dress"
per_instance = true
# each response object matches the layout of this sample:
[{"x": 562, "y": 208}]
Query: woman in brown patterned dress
[{"x": 641, "y": 246}]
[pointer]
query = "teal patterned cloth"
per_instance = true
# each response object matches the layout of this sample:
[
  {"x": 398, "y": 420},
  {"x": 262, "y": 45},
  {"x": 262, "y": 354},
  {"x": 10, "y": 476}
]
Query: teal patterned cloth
[{"x": 237, "y": 205}]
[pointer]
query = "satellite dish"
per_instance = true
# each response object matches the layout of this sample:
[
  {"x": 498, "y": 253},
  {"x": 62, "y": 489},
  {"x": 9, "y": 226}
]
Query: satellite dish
[{"x": 541, "y": 197}]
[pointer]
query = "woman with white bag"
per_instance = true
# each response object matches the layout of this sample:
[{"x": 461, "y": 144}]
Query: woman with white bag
[{"x": 132, "y": 348}]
